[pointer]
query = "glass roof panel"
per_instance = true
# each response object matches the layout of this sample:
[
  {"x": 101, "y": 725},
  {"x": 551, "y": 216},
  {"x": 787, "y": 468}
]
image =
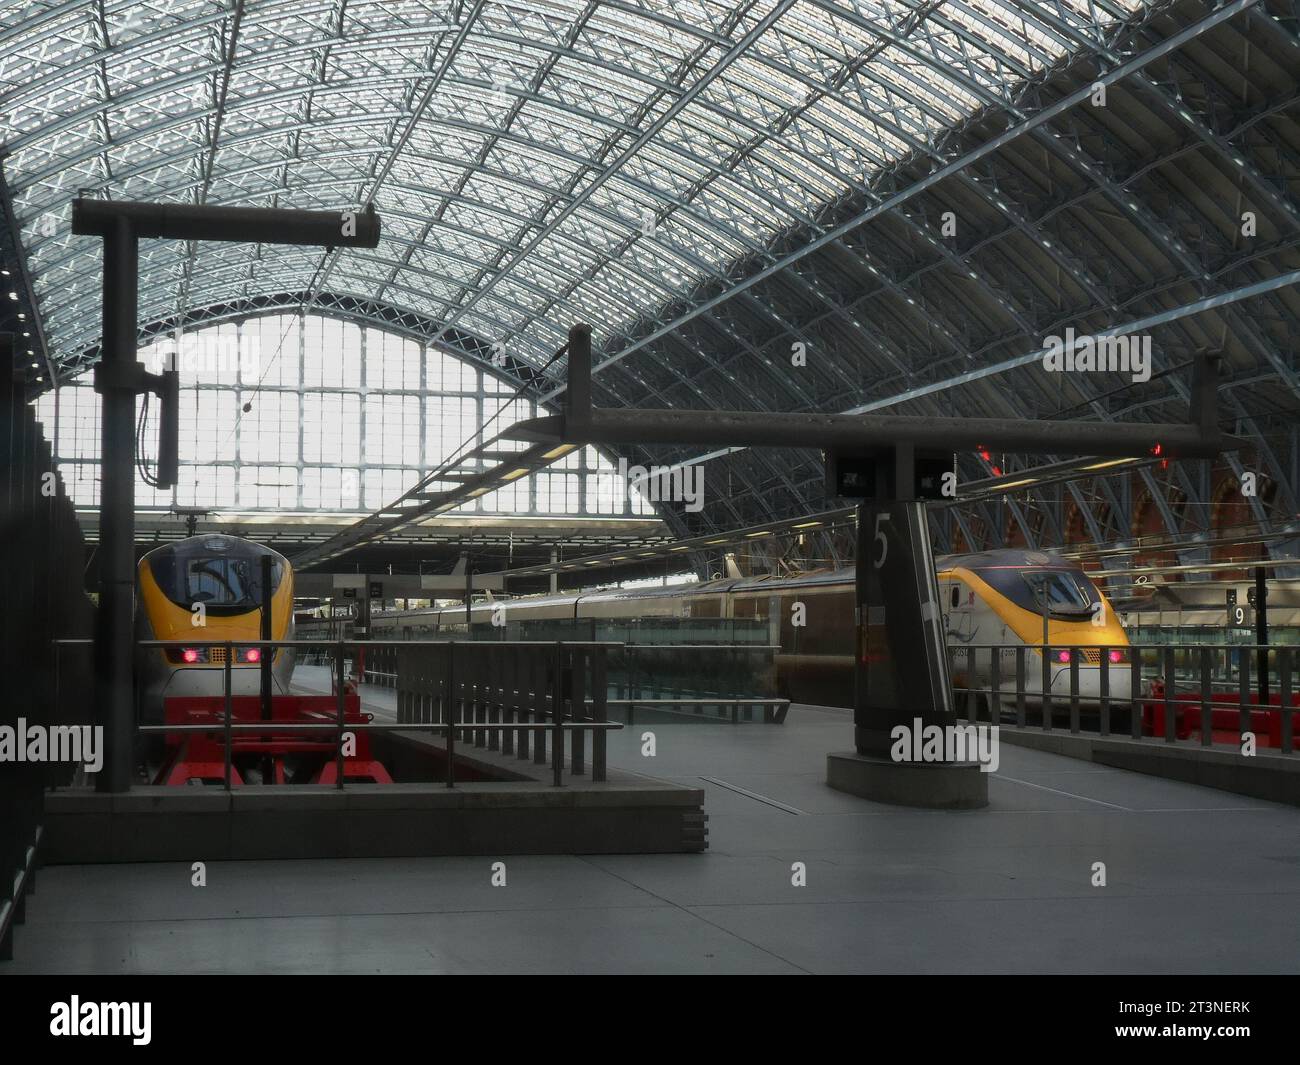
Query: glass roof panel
[{"x": 532, "y": 161}]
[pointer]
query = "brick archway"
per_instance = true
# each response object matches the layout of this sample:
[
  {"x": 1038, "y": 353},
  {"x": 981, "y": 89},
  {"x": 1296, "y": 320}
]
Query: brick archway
[
  {"x": 1149, "y": 524},
  {"x": 1231, "y": 511}
]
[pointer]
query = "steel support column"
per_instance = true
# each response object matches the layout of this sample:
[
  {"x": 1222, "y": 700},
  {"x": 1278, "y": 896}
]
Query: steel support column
[{"x": 114, "y": 622}]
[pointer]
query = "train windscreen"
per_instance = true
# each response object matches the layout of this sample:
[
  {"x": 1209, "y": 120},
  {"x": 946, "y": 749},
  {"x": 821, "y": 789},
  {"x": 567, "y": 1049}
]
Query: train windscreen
[
  {"x": 1066, "y": 593},
  {"x": 219, "y": 581},
  {"x": 224, "y": 582}
]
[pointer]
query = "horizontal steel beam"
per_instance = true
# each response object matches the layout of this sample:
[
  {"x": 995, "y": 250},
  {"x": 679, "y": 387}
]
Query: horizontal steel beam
[
  {"x": 581, "y": 423},
  {"x": 870, "y": 433},
  {"x": 257, "y": 225}
]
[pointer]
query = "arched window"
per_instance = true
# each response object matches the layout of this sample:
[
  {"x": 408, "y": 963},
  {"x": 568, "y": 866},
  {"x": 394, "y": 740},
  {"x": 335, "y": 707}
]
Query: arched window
[{"x": 292, "y": 413}]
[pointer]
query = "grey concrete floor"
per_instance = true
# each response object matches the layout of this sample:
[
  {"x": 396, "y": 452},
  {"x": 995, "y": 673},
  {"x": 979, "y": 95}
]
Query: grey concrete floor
[{"x": 1197, "y": 881}]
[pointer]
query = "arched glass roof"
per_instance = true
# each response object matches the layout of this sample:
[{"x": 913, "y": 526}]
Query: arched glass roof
[{"x": 535, "y": 163}]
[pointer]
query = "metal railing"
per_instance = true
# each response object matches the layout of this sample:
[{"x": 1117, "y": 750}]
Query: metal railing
[
  {"x": 1171, "y": 688},
  {"x": 638, "y": 677},
  {"x": 459, "y": 717},
  {"x": 506, "y": 692}
]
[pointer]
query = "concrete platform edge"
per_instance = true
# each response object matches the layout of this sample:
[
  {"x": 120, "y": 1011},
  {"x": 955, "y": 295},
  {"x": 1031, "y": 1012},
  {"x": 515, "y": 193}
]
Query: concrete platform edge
[
  {"x": 370, "y": 821},
  {"x": 1275, "y": 777}
]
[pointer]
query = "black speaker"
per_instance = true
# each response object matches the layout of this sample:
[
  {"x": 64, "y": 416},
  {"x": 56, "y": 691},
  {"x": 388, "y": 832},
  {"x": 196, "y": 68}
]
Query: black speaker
[{"x": 169, "y": 400}]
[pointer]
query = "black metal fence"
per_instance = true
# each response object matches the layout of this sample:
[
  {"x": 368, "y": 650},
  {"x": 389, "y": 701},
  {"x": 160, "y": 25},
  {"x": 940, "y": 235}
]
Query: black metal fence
[
  {"x": 1180, "y": 692},
  {"x": 732, "y": 682},
  {"x": 509, "y": 696},
  {"x": 499, "y": 695}
]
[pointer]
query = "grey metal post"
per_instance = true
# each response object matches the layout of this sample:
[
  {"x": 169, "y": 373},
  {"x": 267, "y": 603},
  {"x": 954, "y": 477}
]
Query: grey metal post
[
  {"x": 226, "y": 673},
  {"x": 1243, "y": 693},
  {"x": 496, "y": 669},
  {"x": 268, "y": 654},
  {"x": 557, "y": 718},
  {"x": 1075, "y": 654},
  {"x": 1170, "y": 730},
  {"x": 114, "y": 620},
  {"x": 1021, "y": 680},
  {"x": 599, "y": 693},
  {"x": 1103, "y": 693},
  {"x": 449, "y": 712},
  {"x": 995, "y": 686},
  {"x": 1207, "y": 721},
  {"x": 340, "y": 709},
  {"x": 1047, "y": 686},
  {"x": 524, "y": 676},
  {"x": 508, "y": 705},
  {"x": 1284, "y": 695},
  {"x": 972, "y": 696},
  {"x": 1261, "y": 633},
  {"x": 539, "y": 704},
  {"x": 469, "y": 595},
  {"x": 264, "y": 661},
  {"x": 1135, "y": 690},
  {"x": 578, "y": 700}
]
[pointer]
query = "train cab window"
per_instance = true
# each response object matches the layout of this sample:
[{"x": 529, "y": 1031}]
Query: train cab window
[
  {"x": 1060, "y": 591},
  {"x": 226, "y": 582},
  {"x": 1065, "y": 593},
  {"x": 219, "y": 581}
]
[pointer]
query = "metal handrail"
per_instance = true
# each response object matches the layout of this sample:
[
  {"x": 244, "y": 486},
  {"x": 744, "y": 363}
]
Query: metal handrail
[
  {"x": 369, "y": 643},
  {"x": 1163, "y": 669},
  {"x": 386, "y": 726},
  {"x": 340, "y": 727}
]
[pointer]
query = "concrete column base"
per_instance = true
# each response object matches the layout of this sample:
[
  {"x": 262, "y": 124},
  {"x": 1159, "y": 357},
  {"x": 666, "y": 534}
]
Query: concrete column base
[{"x": 936, "y": 785}]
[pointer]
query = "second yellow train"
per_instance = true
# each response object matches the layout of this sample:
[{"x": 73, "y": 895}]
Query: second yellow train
[{"x": 1004, "y": 598}]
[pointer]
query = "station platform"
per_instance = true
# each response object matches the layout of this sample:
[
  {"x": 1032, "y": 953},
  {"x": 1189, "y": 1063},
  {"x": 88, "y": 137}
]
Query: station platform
[{"x": 1197, "y": 881}]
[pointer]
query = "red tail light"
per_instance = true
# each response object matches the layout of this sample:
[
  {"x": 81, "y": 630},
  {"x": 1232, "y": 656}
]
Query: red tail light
[
  {"x": 253, "y": 654},
  {"x": 189, "y": 655},
  {"x": 1116, "y": 656},
  {"x": 1063, "y": 656}
]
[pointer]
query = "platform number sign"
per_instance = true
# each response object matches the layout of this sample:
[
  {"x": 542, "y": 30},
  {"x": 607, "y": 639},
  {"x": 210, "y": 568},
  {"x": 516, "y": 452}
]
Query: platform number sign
[
  {"x": 881, "y": 539},
  {"x": 1236, "y": 613}
]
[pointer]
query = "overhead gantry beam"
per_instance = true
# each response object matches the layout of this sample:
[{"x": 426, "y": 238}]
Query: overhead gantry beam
[{"x": 581, "y": 423}]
